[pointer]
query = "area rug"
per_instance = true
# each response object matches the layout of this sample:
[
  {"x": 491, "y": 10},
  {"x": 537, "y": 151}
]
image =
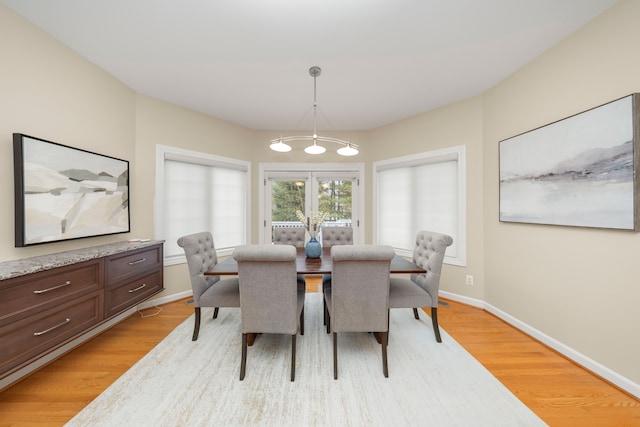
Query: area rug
[{"x": 185, "y": 383}]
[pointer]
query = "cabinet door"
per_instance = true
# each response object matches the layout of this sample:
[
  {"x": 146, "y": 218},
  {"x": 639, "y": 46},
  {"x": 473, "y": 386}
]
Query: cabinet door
[
  {"x": 43, "y": 331},
  {"x": 121, "y": 267},
  {"x": 120, "y": 297},
  {"x": 21, "y": 295}
]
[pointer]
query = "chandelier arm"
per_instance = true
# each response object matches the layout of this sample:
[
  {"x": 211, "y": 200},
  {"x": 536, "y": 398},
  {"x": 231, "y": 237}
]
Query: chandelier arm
[
  {"x": 348, "y": 148},
  {"x": 287, "y": 139}
]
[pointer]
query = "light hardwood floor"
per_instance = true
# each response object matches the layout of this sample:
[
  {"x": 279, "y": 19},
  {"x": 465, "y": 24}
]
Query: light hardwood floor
[{"x": 557, "y": 390}]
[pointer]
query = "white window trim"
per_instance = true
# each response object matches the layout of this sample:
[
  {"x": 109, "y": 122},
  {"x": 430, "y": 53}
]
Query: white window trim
[
  {"x": 457, "y": 153},
  {"x": 163, "y": 153},
  {"x": 265, "y": 168}
]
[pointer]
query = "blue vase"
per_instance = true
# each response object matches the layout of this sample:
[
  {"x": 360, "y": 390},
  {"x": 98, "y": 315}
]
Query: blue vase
[{"x": 313, "y": 248}]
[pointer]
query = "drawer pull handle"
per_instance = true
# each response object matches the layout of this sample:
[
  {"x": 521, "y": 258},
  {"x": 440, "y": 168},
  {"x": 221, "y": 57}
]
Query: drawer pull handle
[
  {"x": 137, "y": 289},
  {"x": 37, "y": 334},
  {"x": 138, "y": 261},
  {"x": 42, "y": 291}
]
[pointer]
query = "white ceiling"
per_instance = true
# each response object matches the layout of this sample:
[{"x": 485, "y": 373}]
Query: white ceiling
[{"x": 247, "y": 61}]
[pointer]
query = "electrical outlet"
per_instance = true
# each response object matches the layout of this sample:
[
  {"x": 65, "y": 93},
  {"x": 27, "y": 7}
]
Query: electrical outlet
[{"x": 469, "y": 280}]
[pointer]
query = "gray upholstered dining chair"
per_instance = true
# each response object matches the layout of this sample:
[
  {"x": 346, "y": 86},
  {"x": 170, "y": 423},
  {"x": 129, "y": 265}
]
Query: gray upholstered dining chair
[
  {"x": 422, "y": 289},
  {"x": 270, "y": 300},
  {"x": 208, "y": 291},
  {"x": 333, "y": 236},
  {"x": 358, "y": 300},
  {"x": 289, "y": 236}
]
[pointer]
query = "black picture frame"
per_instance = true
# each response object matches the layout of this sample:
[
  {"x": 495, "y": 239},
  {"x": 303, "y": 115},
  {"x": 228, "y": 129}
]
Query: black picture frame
[
  {"x": 66, "y": 193},
  {"x": 579, "y": 171}
]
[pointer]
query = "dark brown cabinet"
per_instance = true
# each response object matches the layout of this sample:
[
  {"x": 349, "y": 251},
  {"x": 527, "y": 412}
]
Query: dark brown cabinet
[
  {"x": 45, "y": 309},
  {"x": 131, "y": 277}
]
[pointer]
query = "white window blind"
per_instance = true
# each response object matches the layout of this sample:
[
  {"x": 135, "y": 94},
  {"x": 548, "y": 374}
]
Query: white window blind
[
  {"x": 422, "y": 192},
  {"x": 200, "y": 193}
]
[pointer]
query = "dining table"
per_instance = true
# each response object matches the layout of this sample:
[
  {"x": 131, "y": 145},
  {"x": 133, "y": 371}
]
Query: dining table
[
  {"x": 314, "y": 266},
  {"x": 321, "y": 265}
]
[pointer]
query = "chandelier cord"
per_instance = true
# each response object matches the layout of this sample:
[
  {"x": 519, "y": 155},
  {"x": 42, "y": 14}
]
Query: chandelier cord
[{"x": 315, "y": 108}]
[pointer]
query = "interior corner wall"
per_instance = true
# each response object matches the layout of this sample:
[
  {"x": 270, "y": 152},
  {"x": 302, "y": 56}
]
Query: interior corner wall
[
  {"x": 50, "y": 92},
  {"x": 449, "y": 126},
  {"x": 162, "y": 123},
  {"x": 577, "y": 285}
]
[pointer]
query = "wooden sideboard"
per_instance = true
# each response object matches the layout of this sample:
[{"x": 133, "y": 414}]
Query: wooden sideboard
[{"x": 48, "y": 301}]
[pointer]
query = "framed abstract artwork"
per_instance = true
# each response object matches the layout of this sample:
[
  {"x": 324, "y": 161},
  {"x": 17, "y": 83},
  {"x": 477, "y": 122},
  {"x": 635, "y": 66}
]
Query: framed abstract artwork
[
  {"x": 579, "y": 171},
  {"x": 64, "y": 193}
]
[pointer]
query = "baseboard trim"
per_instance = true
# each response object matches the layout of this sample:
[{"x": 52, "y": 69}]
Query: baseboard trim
[
  {"x": 164, "y": 300},
  {"x": 462, "y": 299},
  {"x": 591, "y": 365}
]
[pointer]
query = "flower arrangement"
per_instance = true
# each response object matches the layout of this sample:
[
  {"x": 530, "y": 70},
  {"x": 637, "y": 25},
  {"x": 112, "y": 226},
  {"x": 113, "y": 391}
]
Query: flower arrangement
[{"x": 315, "y": 221}]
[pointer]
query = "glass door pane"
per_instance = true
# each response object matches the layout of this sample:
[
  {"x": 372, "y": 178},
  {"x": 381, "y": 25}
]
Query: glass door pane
[
  {"x": 287, "y": 197},
  {"x": 335, "y": 196}
]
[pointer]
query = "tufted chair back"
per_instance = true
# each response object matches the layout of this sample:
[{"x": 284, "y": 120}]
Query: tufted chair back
[
  {"x": 208, "y": 291},
  {"x": 429, "y": 254},
  {"x": 201, "y": 256},
  {"x": 294, "y": 236},
  {"x": 332, "y": 236}
]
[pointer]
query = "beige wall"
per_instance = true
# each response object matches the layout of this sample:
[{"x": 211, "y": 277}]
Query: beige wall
[
  {"x": 578, "y": 286},
  {"x": 48, "y": 91},
  {"x": 453, "y": 125},
  {"x": 161, "y": 123}
]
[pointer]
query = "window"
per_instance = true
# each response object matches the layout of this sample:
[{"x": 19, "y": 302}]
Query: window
[
  {"x": 197, "y": 192},
  {"x": 421, "y": 192}
]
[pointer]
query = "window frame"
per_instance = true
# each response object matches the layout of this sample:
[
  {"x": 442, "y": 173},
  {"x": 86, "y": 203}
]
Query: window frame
[
  {"x": 457, "y": 153},
  {"x": 164, "y": 153}
]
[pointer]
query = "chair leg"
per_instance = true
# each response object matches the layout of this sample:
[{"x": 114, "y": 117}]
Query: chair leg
[
  {"x": 324, "y": 305},
  {"x": 215, "y": 313},
  {"x": 302, "y": 322},
  {"x": 415, "y": 313},
  {"x": 335, "y": 356},
  {"x": 326, "y": 316},
  {"x": 293, "y": 357},
  {"x": 243, "y": 362},
  {"x": 385, "y": 341},
  {"x": 434, "y": 320},
  {"x": 196, "y": 326}
]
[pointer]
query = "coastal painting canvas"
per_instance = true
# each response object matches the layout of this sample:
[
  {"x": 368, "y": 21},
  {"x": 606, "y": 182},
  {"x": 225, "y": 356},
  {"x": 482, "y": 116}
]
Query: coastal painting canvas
[
  {"x": 579, "y": 171},
  {"x": 64, "y": 193}
]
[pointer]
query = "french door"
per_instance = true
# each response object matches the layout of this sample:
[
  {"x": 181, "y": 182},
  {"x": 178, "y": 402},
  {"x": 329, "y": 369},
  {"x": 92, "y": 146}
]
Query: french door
[{"x": 334, "y": 192}]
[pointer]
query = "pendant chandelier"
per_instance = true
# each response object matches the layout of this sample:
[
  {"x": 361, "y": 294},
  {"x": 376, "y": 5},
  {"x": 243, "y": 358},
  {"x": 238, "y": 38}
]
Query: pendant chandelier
[{"x": 280, "y": 144}]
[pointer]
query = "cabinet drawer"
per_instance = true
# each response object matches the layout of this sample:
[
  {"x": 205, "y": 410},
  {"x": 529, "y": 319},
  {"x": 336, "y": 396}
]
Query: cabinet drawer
[
  {"x": 121, "y": 297},
  {"x": 44, "y": 331},
  {"x": 124, "y": 266},
  {"x": 25, "y": 293}
]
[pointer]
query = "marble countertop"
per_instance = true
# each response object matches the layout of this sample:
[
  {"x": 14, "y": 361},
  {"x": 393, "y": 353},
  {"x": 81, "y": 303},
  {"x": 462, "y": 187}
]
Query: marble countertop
[{"x": 21, "y": 267}]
